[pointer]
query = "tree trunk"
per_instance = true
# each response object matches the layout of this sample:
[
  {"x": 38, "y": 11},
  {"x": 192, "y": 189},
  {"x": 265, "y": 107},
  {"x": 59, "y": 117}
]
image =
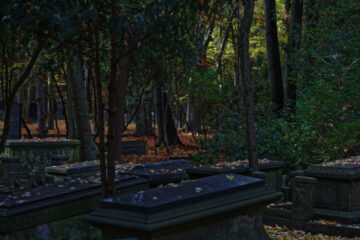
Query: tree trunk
[
  {"x": 117, "y": 104},
  {"x": 143, "y": 118},
  {"x": 30, "y": 93},
  {"x": 157, "y": 97},
  {"x": 51, "y": 109},
  {"x": 165, "y": 121},
  {"x": 100, "y": 114},
  {"x": 273, "y": 56},
  {"x": 245, "y": 66},
  {"x": 293, "y": 44},
  {"x": 236, "y": 81},
  {"x": 41, "y": 114},
  {"x": 224, "y": 43},
  {"x": 87, "y": 146},
  {"x": 70, "y": 105},
  {"x": 193, "y": 118}
]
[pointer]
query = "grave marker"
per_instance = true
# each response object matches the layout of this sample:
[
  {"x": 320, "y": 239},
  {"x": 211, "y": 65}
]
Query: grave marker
[{"x": 15, "y": 122}]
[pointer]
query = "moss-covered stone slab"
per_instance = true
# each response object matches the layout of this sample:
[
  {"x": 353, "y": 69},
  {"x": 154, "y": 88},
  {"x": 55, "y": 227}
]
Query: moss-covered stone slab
[
  {"x": 36, "y": 155},
  {"x": 59, "y": 201},
  {"x": 221, "y": 207},
  {"x": 337, "y": 194},
  {"x": 273, "y": 170},
  {"x": 160, "y": 172},
  {"x": 68, "y": 171}
]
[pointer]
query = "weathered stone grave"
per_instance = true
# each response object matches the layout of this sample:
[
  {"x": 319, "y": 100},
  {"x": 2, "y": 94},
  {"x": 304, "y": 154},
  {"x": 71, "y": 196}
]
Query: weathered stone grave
[
  {"x": 133, "y": 147},
  {"x": 37, "y": 155},
  {"x": 221, "y": 207},
  {"x": 15, "y": 122},
  {"x": 273, "y": 170},
  {"x": 337, "y": 194},
  {"x": 327, "y": 191},
  {"x": 51, "y": 203},
  {"x": 160, "y": 172},
  {"x": 68, "y": 171},
  {"x": 10, "y": 170}
]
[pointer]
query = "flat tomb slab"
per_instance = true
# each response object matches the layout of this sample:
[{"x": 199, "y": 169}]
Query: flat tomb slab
[
  {"x": 160, "y": 172},
  {"x": 218, "y": 207},
  {"x": 80, "y": 169},
  {"x": 46, "y": 204},
  {"x": 337, "y": 194},
  {"x": 271, "y": 168}
]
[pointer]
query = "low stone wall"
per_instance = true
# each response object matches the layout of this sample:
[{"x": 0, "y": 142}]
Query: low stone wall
[{"x": 36, "y": 155}]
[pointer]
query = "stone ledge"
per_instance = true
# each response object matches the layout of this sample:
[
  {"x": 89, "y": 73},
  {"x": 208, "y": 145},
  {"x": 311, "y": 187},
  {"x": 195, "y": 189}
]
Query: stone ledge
[{"x": 59, "y": 206}]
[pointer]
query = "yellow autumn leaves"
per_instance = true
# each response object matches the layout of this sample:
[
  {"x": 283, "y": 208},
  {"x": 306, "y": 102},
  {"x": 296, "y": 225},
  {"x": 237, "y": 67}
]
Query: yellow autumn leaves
[{"x": 283, "y": 233}]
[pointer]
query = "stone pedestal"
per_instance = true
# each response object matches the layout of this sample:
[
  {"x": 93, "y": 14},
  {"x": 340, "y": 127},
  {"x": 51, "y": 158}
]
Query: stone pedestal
[
  {"x": 303, "y": 197},
  {"x": 221, "y": 207},
  {"x": 337, "y": 194}
]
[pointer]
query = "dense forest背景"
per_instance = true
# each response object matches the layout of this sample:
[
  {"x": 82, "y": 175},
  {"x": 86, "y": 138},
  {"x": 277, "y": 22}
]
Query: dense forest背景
[{"x": 274, "y": 79}]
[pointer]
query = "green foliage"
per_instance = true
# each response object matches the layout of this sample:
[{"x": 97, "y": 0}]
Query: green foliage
[{"x": 326, "y": 125}]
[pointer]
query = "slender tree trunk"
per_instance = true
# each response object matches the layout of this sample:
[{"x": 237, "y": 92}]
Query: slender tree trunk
[
  {"x": 157, "y": 92},
  {"x": 225, "y": 41},
  {"x": 41, "y": 114},
  {"x": 165, "y": 121},
  {"x": 87, "y": 146},
  {"x": 121, "y": 102},
  {"x": 70, "y": 105},
  {"x": 30, "y": 93},
  {"x": 236, "y": 56},
  {"x": 193, "y": 118},
  {"x": 245, "y": 66},
  {"x": 294, "y": 40},
  {"x": 143, "y": 118},
  {"x": 100, "y": 114},
  {"x": 51, "y": 110},
  {"x": 273, "y": 56}
]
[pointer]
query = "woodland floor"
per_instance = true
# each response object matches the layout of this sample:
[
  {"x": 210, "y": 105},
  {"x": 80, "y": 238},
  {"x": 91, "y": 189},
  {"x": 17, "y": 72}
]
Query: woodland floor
[{"x": 160, "y": 154}]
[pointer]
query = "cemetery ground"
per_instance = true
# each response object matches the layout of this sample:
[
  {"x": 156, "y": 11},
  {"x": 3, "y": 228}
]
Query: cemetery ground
[{"x": 83, "y": 176}]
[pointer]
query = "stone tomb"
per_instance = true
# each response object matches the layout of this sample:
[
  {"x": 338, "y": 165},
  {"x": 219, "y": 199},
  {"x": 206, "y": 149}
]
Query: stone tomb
[
  {"x": 161, "y": 172},
  {"x": 46, "y": 204},
  {"x": 273, "y": 170},
  {"x": 15, "y": 122},
  {"x": 133, "y": 147},
  {"x": 221, "y": 207},
  {"x": 337, "y": 194},
  {"x": 37, "y": 155},
  {"x": 80, "y": 169}
]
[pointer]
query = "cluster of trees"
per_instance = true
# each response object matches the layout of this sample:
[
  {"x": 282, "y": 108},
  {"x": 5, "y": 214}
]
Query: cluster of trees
[{"x": 190, "y": 63}]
